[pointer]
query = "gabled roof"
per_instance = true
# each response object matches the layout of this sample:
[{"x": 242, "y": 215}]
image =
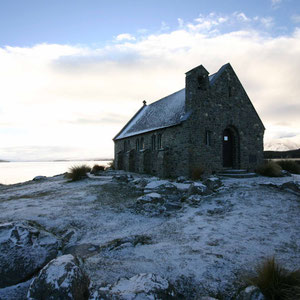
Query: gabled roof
[{"x": 166, "y": 112}]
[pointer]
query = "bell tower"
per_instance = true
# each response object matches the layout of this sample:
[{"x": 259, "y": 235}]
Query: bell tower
[{"x": 196, "y": 86}]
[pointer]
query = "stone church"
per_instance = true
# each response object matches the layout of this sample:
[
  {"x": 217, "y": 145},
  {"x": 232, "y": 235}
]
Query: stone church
[{"x": 209, "y": 125}]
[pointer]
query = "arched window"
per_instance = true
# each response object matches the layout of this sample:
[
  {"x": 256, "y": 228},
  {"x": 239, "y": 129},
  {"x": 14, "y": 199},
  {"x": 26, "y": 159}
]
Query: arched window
[
  {"x": 201, "y": 80},
  {"x": 153, "y": 142},
  {"x": 137, "y": 145},
  {"x": 159, "y": 141},
  {"x": 128, "y": 145},
  {"x": 125, "y": 145},
  {"x": 208, "y": 138},
  {"x": 142, "y": 143}
]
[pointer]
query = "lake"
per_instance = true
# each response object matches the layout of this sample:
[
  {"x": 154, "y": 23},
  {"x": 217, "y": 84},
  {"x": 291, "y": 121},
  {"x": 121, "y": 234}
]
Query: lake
[{"x": 15, "y": 172}]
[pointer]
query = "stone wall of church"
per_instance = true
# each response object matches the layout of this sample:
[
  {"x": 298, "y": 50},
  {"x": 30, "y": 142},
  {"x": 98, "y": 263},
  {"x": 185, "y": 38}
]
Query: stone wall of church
[
  {"x": 215, "y": 108},
  {"x": 197, "y": 143},
  {"x": 170, "y": 160}
]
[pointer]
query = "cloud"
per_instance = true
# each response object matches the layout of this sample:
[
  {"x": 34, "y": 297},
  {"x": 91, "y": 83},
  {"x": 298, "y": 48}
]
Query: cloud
[
  {"x": 125, "y": 36},
  {"x": 275, "y": 3},
  {"x": 295, "y": 19},
  {"x": 78, "y": 96}
]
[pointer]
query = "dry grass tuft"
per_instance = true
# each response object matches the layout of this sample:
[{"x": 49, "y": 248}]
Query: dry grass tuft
[
  {"x": 275, "y": 282},
  {"x": 97, "y": 168},
  {"x": 197, "y": 173},
  {"x": 270, "y": 169},
  {"x": 289, "y": 165},
  {"x": 78, "y": 172}
]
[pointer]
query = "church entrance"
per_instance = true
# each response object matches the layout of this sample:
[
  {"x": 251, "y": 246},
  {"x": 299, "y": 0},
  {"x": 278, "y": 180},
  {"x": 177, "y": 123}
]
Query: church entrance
[{"x": 229, "y": 148}]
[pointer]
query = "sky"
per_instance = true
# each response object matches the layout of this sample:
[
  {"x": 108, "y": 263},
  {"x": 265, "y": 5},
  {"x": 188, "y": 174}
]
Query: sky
[{"x": 74, "y": 72}]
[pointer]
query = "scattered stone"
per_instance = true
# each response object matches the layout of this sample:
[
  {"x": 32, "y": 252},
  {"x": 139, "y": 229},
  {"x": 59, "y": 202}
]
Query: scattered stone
[
  {"x": 61, "y": 278},
  {"x": 156, "y": 184},
  {"x": 123, "y": 178},
  {"x": 39, "y": 178},
  {"x": 213, "y": 183},
  {"x": 24, "y": 249},
  {"x": 251, "y": 293},
  {"x": 285, "y": 173},
  {"x": 181, "y": 179},
  {"x": 292, "y": 186},
  {"x": 141, "y": 286},
  {"x": 131, "y": 241},
  {"x": 182, "y": 187},
  {"x": 15, "y": 292},
  {"x": 140, "y": 182},
  {"x": 194, "y": 199},
  {"x": 198, "y": 188},
  {"x": 82, "y": 250},
  {"x": 207, "y": 298},
  {"x": 150, "y": 198}
]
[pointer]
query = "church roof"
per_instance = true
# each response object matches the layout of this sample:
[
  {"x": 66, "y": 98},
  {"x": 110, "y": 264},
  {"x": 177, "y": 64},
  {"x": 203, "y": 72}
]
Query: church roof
[{"x": 166, "y": 112}]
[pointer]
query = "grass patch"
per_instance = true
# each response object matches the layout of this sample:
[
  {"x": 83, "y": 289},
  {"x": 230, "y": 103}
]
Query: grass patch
[
  {"x": 289, "y": 165},
  {"x": 97, "y": 168},
  {"x": 78, "y": 172},
  {"x": 270, "y": 169},
  {"x": 197, "y": 173},
  {"x": 275, "y": 282},
  {"x": 111, "y": 164}
]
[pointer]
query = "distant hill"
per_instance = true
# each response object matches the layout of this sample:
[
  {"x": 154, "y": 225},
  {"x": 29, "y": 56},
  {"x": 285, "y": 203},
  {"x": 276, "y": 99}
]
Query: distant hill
[
  {"x": 282, "y": 154},
  {"x": 1, "y": 160}
]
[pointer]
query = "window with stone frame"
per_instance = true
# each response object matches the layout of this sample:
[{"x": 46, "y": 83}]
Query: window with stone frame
[
  {"x": 208, "y": 137},
  {"x": 153, "y": 142},
  {"x": 159, "y": 145},
  {"x": 142, "y": 143},
  {"x": 128, "y": 145},
  {"x": 125, "y": 145},
  {"x": 201, "y": 80},
  {"x": 137, "y": 145}
]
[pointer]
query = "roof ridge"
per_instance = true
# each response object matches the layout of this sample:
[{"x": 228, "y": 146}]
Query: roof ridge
[{"x": 165, "y": 97}]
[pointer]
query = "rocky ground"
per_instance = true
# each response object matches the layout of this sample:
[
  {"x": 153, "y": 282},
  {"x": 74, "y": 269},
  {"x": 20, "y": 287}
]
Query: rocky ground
[{"x": 128, "y": 236}]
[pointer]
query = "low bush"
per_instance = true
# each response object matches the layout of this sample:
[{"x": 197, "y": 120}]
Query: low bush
[
  {"x": 275, "y": 282},
  {"x": 289, "y": 165},
  {"x": 270, "y": 169},
  {"x": 111, "y": 164},
  {"x": 97, "y": 168},
  {"x": 197, "y": 173},
  {"x": 78, "y": 172}
]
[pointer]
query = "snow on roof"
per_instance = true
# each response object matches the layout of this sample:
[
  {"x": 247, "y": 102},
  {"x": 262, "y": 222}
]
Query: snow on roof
[
  {"x": 166, "y": 112},
  {"x": 163, "y": 113}
]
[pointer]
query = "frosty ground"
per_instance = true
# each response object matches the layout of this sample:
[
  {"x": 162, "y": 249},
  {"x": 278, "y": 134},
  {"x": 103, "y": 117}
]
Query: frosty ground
[{"x": 203, "y": 247}]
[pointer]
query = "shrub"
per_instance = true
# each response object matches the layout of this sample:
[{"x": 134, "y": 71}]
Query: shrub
[
  {"x": 270, "y": 169},
  {"x": 97, "y": 168},
  {"x": 197, "y": 173},
  {"x": 275, "y": 282},
  {"x": 111, "y": 164},
  {"x": 289, "y": 165},
  {"x": 78, "y": 172}
]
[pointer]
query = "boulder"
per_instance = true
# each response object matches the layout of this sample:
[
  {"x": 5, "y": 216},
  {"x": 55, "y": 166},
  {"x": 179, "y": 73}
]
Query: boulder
[
  {"x": 194, "y": 199},
  {"x": 157, "y": 184},
  {"x": 141, "y": 286},
  {"x": 39, "y": 178},
  {"x": 181, "y": 179},
  {"x": 150, "y": 198},
  {"x": 198, "y": 188},
  {"x": 122, "y": 178},
  {"x": 24, "y": 249},
  {"x": 251, "y": 293},
  {"x": 292, "y": 186},
  {"x": 61, "y": 278},
  {"x": 213, "y": 183}
]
